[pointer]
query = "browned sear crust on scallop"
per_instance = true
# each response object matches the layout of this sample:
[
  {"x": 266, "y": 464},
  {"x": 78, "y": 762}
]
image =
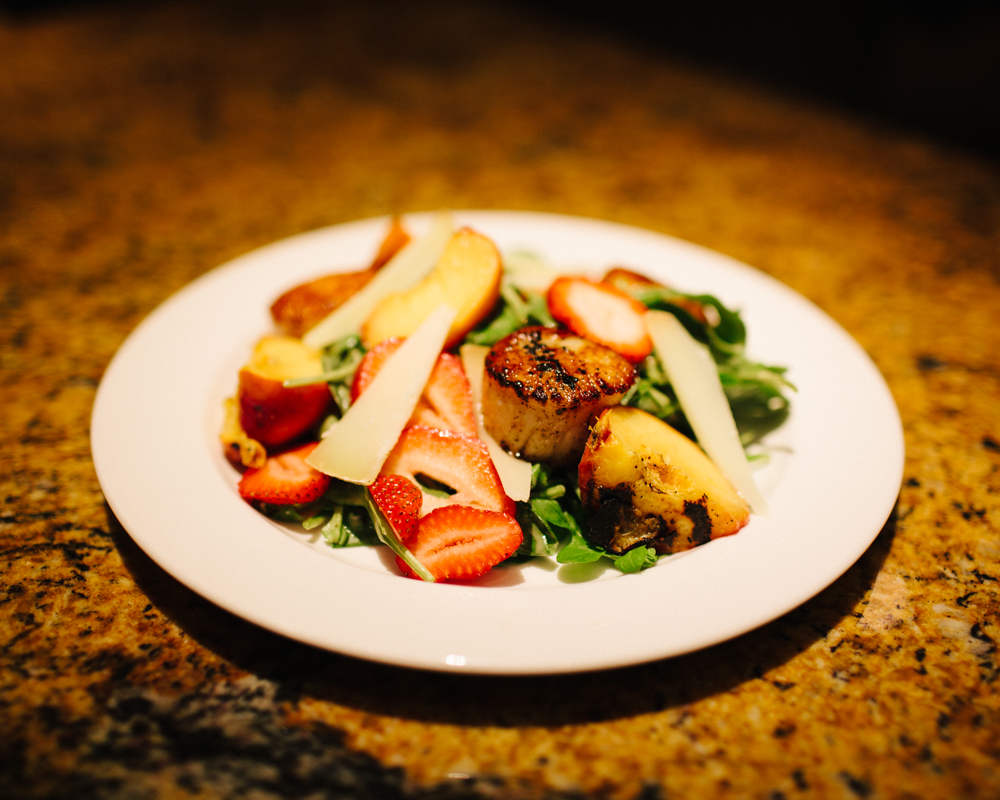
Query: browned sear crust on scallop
[{"x": 544, "y": 387}]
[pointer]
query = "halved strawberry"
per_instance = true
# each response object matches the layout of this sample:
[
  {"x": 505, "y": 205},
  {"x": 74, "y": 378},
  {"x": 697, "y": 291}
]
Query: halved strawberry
[
  {"x": 632, "y": 283},
  {"x": 458, "y": 461},
  {"x": 447, "y": 399},
  {"x": 601, "y": 313},
  {"x": 458, "y": 543},
  {"x": 399, "y": 499},
  {"x": 285, "y": 478}
]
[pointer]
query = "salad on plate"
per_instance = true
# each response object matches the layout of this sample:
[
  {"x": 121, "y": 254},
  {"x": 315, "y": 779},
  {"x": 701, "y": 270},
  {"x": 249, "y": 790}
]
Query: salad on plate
[{"x": 469, "y": 409}]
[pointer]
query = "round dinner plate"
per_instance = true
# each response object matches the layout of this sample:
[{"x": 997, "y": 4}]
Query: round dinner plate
[{"x": 832, "y": 478}]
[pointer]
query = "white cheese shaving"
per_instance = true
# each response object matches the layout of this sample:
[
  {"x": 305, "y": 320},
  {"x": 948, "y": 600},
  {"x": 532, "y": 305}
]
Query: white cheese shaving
[
  {"x": 355, "y": 448},
  {"x": 515, "y": 474},
  {"x": 403, "y": 271},
  {"x": 695, "y": 378}
]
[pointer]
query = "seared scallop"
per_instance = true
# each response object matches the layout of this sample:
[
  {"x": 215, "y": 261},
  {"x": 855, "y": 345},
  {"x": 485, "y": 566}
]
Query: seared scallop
[{"x": 544, "y": 387}]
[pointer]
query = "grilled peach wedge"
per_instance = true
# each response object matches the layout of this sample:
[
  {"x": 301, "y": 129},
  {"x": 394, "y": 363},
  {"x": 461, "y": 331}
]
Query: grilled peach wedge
[
  {"x": 300, "y": 308},
  {"x": 646, "y": 484},
  {"x": 271, "y": 413},
  {"x": 466, "y": 277}
]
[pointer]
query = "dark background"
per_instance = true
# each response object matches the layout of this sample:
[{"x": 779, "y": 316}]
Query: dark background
[{"x": 929, "y": 67}]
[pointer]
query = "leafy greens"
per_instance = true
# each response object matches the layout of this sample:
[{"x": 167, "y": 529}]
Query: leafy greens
[{"x": 553, "y": 518}]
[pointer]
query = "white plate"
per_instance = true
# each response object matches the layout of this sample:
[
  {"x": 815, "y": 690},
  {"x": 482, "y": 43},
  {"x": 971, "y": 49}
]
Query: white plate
[{"x": 831, "y": 484}]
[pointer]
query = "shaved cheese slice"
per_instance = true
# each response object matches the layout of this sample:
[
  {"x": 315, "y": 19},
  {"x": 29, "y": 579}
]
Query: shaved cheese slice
[
  {"x": 529, "y": 271},
  {"x": 403, "y": 271},
  {"x": 355, "y": 448},
  {"x": 695, "y": 378},
  {"x": 515, "y": 474}
]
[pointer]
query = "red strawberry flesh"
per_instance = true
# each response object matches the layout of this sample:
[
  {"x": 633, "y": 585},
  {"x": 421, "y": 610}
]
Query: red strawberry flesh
[
  {"x": 446, "y": 401},
  {"x": 284, "y": 479},
  {"x": 459, "y": 543},
  {"x": 601, "y": 313},
  {"x": 399, "y": 500},
  {"x": 453, "y": 459}
]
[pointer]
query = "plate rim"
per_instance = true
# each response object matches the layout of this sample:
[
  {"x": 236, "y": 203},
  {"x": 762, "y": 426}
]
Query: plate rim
[{"x": 259, "y": 543}]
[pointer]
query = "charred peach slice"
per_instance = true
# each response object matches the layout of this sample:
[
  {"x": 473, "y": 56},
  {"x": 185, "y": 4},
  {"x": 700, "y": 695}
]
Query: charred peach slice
[{"x": 646, "y": 484}]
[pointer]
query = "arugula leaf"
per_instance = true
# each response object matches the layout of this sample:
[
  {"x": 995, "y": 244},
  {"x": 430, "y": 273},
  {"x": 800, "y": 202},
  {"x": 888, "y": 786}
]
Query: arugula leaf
[
  {"x": 517, "y": 309},
  {"x": 432, "y": 487},
  {"x": 315, "y": 521},
  {"x": 389, "y": 538},
  {"x": 545, "y": 521},
  {"x": 340, "y": 361},
  {"x": 335, "y": 532},
  {"x": 539, "y": 537},
  {"x": 635, "y": 560},
  {"x": 755, "y": 391},
  {"x": 729, "y": 328},
  {"x": 579, "y": 551},
  {"x": 359, "y": 528},
  {"x": 551, "y": 512},
  {"x": 286, "y": 513},
  {"x": 340, "y": 514},
  {"x": 348, "y": 527},
  {"x": 344, "y": 493}
]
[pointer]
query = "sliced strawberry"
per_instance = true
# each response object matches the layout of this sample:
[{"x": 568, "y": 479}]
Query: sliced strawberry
[
  {"x": 458, "y": 461},
  {"x": 447, "y": 399},
  {"x": 371, "y": 364},
  {"x": 632, "y": 283},
  {"x": 458, "y": 543},
  {"x": 285, "y": 478},
  {"x": 399, "y": 499},
  {"x": 601, "y": 313}
]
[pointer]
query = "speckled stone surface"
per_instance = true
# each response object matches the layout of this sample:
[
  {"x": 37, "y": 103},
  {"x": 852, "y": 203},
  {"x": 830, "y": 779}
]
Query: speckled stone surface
[{"x": 141, "y": 146}]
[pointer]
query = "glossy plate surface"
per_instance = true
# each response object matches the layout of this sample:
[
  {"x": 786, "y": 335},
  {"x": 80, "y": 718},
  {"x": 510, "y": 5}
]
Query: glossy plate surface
[{"x": 831, "y": 482}]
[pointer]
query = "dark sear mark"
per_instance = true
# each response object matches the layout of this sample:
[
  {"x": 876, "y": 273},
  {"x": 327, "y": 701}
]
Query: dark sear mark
[
  {"x": 544, "y": 387},
  {"x": 614, "y": 525},
  {"x": 565, "y": 376},
  {"x": 698, "y": 514}
]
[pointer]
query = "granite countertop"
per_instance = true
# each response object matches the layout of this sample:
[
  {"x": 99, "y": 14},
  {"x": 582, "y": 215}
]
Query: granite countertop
[{"x": 142, "y": 145}]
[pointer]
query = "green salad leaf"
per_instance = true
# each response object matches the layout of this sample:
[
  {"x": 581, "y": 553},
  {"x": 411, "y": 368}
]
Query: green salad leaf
[
  {"x": 517, "y": 309},
  {"x": 340, "y": 361},
  {"x": 579, "y": 551},
  {"x": 635, "y": 560},
  {"x": 756, "y": 392},
  {"x": 389, "y": 538},
  {"x": 549, "y": 517},
  {"x": 340, "y": 514},
  {"x": 553, "y": 518}
]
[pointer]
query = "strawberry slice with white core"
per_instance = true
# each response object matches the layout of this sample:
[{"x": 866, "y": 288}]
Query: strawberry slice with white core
[
  {"x": 601, "y": 313},
  {"x": 446, "y": 401},
  {"x": 399, "y": 500},
  {"x": 285, "y": 478},
  {"x": 459, "y": 543},
  {"x": 458, "y": 461}
]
